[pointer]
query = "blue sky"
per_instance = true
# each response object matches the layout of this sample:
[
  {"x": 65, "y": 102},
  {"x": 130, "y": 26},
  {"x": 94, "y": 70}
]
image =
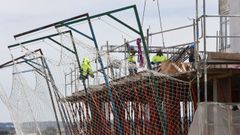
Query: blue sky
[{"x": 21, "y": 15}]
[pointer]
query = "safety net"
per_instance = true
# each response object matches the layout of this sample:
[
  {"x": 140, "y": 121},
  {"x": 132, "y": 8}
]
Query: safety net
[
  {"x": 146, "y": 103},
  {"x": 33, "y": 101}
]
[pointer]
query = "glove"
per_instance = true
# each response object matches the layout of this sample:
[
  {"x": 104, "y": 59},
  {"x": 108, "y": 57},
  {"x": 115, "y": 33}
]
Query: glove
[{"x": 92, "y": 76}]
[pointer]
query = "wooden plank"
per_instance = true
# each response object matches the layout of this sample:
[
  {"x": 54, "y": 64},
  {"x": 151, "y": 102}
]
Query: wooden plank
[
  {"x": 223, "y": 56},
  {"x": 173, "y": 67},
  {"x": 220, "y": 76}
]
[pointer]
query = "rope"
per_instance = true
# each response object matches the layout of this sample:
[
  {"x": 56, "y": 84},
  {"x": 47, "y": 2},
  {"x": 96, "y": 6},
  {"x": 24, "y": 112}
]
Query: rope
[
  {"x": 28, "y": 51},
  {"x": 61, "y": 41},
  {"x": 163, "y": 113},
  {"x": 160, "y": 22},
  {"x": 115, "y": 28},
  {"x": 80, "y": 43},
  {"x": 20, "y": 80},
  {"x": 60, "y": 51},
  {"x": 144, "y": 8},
  {"x": 75, "y": 128},
  {"x": 156, "y": 96}
]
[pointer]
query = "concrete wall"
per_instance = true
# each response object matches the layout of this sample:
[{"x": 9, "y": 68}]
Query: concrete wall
[
  {"x": 230, "y": 27},
  {"x": 235, "y": 26},
  {"x": 224, "y": 7}
]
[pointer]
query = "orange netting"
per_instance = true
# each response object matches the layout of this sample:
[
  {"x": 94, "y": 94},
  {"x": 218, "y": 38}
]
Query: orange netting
[{"x": 143, "y": 104}]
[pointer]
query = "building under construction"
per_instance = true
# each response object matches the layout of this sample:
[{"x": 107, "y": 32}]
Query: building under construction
[{"x": 176, "y": 97}]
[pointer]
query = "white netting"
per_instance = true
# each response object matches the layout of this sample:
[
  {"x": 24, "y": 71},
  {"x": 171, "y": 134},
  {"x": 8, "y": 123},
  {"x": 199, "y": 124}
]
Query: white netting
[
  {"x": 29, "y": 103},
  {"x": 144, "y": 103}
]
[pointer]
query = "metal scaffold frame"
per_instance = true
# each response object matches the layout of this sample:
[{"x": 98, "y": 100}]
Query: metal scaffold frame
[
  {"x": 202, "y": 19},
  {"x": 104, "y": 97},
  {"x": 45, "y": 73},
  {"x": 86, "y": 17},
  {"x": 109, "y": 14}
]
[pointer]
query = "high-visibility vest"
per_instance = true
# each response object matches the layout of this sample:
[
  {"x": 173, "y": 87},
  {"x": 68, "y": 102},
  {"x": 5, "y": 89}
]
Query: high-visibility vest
[
  {"x": 131, "y": 58},
  {"x": 86, "y": 67},
  {"x": 158, "y": 59}
]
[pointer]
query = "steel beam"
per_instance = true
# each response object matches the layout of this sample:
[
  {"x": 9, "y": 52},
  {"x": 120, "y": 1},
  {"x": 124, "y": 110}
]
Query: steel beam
[
  {"x": 37, "y": 39},
  {"x": 50, "y": 25}
]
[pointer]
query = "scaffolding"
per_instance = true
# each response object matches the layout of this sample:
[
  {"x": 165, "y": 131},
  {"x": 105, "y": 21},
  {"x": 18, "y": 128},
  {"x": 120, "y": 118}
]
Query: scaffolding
[{"x": 161, "y": 101}]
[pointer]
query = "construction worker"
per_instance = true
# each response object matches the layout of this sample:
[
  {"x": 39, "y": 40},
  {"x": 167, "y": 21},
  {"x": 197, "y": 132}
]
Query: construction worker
[
  {"x": 191, "y": 55},
  {"x": 132, "y": 68},
  {"x": 158, "y": 58},
  {"x": 86, "y": 69}
]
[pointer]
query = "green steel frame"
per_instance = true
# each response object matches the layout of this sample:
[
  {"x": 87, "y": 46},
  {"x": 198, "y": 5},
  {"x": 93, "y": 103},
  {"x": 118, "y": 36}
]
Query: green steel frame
[
  {"x": 29, "y": 61},
  {"x": 109, "y": 13},
  {"x": 86, "y": 17}
]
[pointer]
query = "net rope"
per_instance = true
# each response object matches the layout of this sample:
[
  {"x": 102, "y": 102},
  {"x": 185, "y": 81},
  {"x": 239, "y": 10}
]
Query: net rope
[
  {"x": 144, "y": 103},
  {"x": 148, "y": 103},
  {"x": 29, "y": 102}
]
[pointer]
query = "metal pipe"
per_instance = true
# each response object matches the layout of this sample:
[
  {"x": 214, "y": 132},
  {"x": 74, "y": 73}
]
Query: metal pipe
[
  {"x": 21, "y": 57},
  {"x": 147, "y": 37},
  {"x": 120, "y": 132},
  {"x": 125, "y": 56},
  {"x": 143, "y": 39},
  {"x": 71, "y": 83},
  {"x": 222, "y": 15},
  {"x": 222, "y": 36},
  {"x": 53, "y": 40},
  {"x": 65, "y": 81},
  {"x": 75, "y": 77},
  {"x": 124, "y": 24},
  {"x": 160, "y": 20},
  {"x": 50, "y": 25},
  {"x": 37, "y": 39},
  {"x": 197, "y": 51},
  {"x": 108, "y": 59},
  {"x": 205, "y": 51},
  {"x": 217, "y": 41},
  {"x": 96, "y": 16},
  {"x": 79, "y": 32},
  {"x": 201, "y": 20},
  {"x": 56, "y": 92},
  {"x": 151, "y": 34},
  {"x": 225, "y": 33},
  {"x": 51, "y": 95},
  {"x": 169, "y": 30}
]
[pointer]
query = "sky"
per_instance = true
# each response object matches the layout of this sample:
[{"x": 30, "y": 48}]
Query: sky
[{"x": 17, "y": 16}]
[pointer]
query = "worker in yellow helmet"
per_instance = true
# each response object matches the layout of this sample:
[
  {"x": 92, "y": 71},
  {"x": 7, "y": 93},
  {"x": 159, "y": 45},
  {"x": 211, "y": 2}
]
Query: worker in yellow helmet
[
  {"x": 86, "y": 69},
  {"x": 132, "y": 68},
  {"x": 158, "y": 58}
]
